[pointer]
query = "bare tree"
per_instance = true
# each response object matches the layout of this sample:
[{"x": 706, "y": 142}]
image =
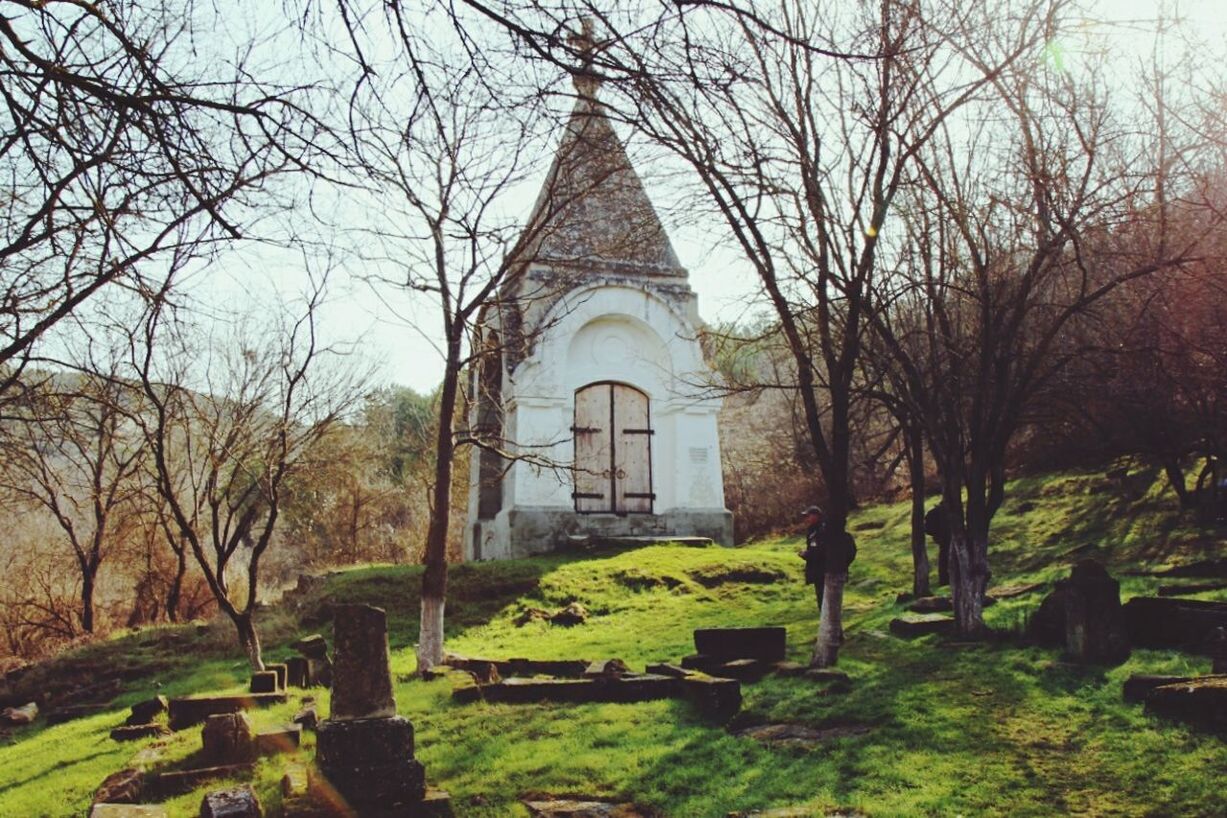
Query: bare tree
[
  {"x": 1012, "y": 242},
  {"x": 117, "y": 151},
  {"x": 223, "y": 452},
  {"x": 73, "y": 454}
]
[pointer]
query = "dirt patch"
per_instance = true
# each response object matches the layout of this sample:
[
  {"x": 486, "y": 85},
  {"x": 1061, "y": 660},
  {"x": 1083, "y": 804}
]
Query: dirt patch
[
  {"x": 800, "y": 735},
  {"x": 638, "y": 580},
  {"x": 713, "y": 576}
]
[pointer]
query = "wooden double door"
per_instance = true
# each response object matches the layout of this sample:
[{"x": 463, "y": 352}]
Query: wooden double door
[{"x": 613, "y": 450}]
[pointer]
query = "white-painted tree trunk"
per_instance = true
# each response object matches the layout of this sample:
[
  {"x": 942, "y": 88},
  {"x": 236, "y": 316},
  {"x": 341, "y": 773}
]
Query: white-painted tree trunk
[
  {"x": 430, "y": 640},
  {"x": 830, "y": 625}
]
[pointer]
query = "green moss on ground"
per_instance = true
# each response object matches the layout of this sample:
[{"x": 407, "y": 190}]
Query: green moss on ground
[{"x": 984, "y": 730}]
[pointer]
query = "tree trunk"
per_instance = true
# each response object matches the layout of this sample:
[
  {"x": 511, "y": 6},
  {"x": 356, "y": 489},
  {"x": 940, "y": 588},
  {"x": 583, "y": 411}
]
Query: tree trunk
[
  {"x": 245, "y": 624},
  {"x": 434, "y": 579},
  {"x": 969, "y": 577},
  {"x": 920, "y": 554},
  {"x": 1175, "y": 476},
  {"x": 175, "y": 592},
  {"x": 87, "y": 601},
  {"x": 830, "y": 626}
]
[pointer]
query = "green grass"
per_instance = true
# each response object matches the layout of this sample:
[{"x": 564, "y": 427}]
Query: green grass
[{"x": 982, "y": 730}]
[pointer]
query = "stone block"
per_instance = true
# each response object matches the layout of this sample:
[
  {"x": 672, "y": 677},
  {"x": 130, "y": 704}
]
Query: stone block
[
  {"x": 227, "y": 738},
  {"x": 282, "y": 672},
  {"x": 135, "y": 732},
  {"x": 264, "y": 681},
  {"x": 768, "y": 644},
  {"x": 606, "y": 668},
  {"x": 931, "y": 604},
  {"x": 743, "y": 670},
  {"x": 127, "y": 811},
  {"x": 122, "y": 787},
  {"x": 361, "y": 678},
  {"x": 465, "y": 688},
  {"x": 701, "y": 662},
  {"x": 1201, "y": 702},
  {"x": 297, "y": 672},
  {"x": 146, "y": 711},
  {"x": 312, "y": 647},
  {"x": 668, "y": 669},
  {"x": 308, "y": 717},
  {"x": 71, "y": 712},
  {"x": 395, "y": 783},
  {"x": 319, "y": 671},
  {"x": 19, "y": 716},
  {"x": 1094, "y": 622},
  {"x": 921, "y": 625},
  {"x": 281, "y": 740},
  {"x": 180, "y": 782},
  {"x": 718, "y": 698},
  {"x": 1168, "y": 622},
  {"x": 192, "y": 710},
  {"x": 240, "y": 802},
  {"x": 354, "y": 742},
  {"x": 1139, "y": 686}
]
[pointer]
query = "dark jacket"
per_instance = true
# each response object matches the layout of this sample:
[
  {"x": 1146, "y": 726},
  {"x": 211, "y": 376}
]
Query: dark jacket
[{"x": 815, "y": 553}]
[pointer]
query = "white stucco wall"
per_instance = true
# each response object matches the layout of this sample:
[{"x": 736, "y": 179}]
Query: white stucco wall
[{"x": 628, "y": 335}]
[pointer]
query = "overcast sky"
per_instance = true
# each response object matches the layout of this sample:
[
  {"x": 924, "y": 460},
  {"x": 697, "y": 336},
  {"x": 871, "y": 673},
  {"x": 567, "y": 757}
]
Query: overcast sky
[{"x": 398, "y": 334}]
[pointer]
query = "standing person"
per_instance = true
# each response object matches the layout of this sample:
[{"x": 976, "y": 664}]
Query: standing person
[
  {"x": 938, "y": 527},
  {"x": 814, "y": 553}
]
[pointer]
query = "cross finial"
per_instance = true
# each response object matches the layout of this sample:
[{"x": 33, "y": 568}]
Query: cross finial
[{"x": 586, "y": 82}]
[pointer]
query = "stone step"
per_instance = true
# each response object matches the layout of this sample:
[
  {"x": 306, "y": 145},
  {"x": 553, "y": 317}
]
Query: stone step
[{"x": 922, "y": 625}]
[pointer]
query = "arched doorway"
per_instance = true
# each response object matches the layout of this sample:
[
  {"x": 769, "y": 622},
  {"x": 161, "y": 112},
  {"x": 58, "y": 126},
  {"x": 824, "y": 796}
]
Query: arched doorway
[{"x": 613, "y": 450}]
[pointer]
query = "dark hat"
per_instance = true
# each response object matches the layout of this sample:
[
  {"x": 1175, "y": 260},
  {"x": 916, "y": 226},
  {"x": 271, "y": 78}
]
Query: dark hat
[{"x": 812, "y": 510}]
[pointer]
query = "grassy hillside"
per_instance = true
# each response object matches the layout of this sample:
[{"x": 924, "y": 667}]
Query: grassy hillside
[{"x": 952, "y": 729}]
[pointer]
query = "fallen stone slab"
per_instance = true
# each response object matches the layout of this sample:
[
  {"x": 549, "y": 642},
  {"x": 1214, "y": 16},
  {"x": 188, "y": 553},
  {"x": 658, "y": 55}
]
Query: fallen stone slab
[
  {"x": 1011, "y": 591},
  {"x": 240, "y": 802},
  {"x": 226, "y": 738},
  {"x": 135, "y": 732},
  {"x": 579, "y": 807},
  {"x": 1191, "y": 588},
  {"x": 743, "y": 670},
  {"x": 465, "y": 688},
  {"x": 564, "y": 668},
  {"x": 284, "y": 739},
  {"x": 312, "y": 647},
  {"x": 1139, "y": 686},
  {"x": 171, "y": 783},
  {"x": 1168, "y": 622},
  {"x": 921, "y": 625},
  {"x": 1200, "y": 702},
  {"x": 122, "y": 787},
  {"x": 143, "y": 712},
  {"x": 308, "y": 718},
  {"x": 800, "y": 734},
  {"x": 625, "y": 690},
  {"x": 668, "y": 669},
  {"x": 127, "y": 811},
  {"x": 19, "y": 716},
  {"x": 71, "y": 712},
  {"x": 931, "y": 604},
  {"x": 766, "y": 643},
  {"x": 193, "y": 710},
  {"x": 789, "y": 668},
  {"x": 607, "y": 668},
  {"x": 714, "y": 697}
]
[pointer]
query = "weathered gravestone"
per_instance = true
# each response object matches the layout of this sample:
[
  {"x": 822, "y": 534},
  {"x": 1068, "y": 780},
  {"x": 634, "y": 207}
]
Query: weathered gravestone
[
  {"x": 1094, "y": 622},
  {"x": 227, "y": 738},
  {"x": 236, "y": 803},
  {"x": 364, "y": 749}
]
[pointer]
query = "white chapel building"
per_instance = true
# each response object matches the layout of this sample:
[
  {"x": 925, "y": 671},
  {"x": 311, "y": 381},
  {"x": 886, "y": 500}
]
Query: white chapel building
[{"x": 593, "y": 378}]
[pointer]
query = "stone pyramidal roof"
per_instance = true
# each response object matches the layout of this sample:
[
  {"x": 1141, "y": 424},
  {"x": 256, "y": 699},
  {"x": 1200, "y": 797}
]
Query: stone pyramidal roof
[{"x": 592, "y": 214}]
